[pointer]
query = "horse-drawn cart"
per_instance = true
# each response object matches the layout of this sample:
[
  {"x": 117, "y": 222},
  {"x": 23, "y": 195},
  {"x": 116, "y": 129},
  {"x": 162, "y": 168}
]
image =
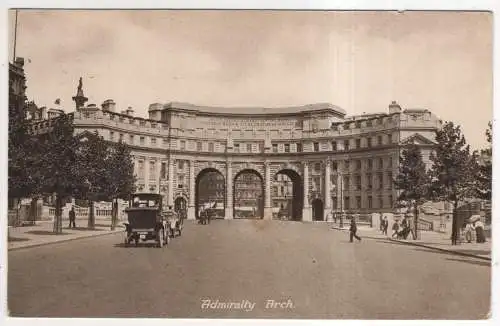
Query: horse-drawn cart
[{"x": 175, "y": 221}]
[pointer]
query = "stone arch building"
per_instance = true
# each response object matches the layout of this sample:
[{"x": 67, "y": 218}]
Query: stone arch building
[{"x": 336, "y": 162}]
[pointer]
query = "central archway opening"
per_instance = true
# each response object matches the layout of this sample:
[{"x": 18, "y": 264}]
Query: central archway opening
[
  {"x": 287, "y": 195},
  {"x": 210, "y": 192},
  {"x": 248, "y": 195}
]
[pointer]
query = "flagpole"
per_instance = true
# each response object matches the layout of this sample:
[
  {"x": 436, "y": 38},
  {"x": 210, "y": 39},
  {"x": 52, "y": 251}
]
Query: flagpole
[{"x": 15, "y": 38}]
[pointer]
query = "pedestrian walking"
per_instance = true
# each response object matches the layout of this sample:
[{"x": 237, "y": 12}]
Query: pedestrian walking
[
  {"x": 72, "y": 217},
  {"x": 385, "y": 223},
  {"x": 353, "y": 229},
  {"x": 395, "y": 228}
]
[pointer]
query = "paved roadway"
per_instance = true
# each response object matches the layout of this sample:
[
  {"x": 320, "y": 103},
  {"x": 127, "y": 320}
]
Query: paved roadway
[{"x": 323, "y": 274}]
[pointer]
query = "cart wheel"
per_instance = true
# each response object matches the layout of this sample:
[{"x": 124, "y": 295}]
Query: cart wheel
[
  {"x": 160, "y": 238},
  {"x": 167, "y": 237}
]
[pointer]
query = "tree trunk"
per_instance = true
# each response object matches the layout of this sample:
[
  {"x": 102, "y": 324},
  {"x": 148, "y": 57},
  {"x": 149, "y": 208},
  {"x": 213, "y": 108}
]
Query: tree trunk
[
  {"x": 114, "y": 213},
  {"x": 416, "y": 233},
  {"x": 58, "y": 215},
  {"x": 18, "y": 208},
  {"x": 91, "y": 222},
  {"x": 454, "y": 224},
  {"x": 33, "y": 210}
]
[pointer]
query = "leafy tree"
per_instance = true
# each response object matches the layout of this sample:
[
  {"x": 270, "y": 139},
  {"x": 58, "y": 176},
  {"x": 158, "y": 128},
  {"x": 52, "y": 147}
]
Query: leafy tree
[
  {"x": 93, "y": 155},
  {"x": 121, "y": 178},
  {"x": 57, "y": 164},
  {"x": 453, "y": 171},
  {"x": 18, "y": 151},
  {"x": 484, "y": 177},
  {"x": 412, "y": 179}
]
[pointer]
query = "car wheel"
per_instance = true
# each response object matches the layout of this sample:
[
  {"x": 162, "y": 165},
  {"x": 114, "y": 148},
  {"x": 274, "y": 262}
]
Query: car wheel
[{"x": 160, "y": 238}]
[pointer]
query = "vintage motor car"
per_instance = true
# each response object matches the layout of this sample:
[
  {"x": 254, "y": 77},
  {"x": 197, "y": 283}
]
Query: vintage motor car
[{"x": 146, "y": 221}]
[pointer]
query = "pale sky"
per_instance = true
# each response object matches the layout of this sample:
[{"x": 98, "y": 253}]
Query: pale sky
[{"x": 360, "y": 61}]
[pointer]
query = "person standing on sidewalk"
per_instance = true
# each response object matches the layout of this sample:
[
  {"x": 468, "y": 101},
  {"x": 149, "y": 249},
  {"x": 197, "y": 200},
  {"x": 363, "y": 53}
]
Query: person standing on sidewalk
[
  {"x": 385, "y": 223},
  {"x": 353, "y": 229},
  {"x": 72, "y": 217}
]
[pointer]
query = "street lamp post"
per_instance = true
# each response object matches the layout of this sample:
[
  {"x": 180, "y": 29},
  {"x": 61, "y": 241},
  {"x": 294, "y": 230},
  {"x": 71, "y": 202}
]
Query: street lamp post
[{"x": 341, "y": 200}]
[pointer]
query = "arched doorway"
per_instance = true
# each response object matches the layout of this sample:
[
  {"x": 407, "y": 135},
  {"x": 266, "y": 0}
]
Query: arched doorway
[
  {"x": 317, "y": 210},
  {"x": 248, "y": 195},
  {"x": 180, "y": 204},
  {"x": 210, "y": 191},
  {"x": 287, "y": 197}
]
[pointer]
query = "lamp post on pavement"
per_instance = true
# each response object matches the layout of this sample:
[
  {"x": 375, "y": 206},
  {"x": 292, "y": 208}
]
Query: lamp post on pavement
[{"x": 341, "y": 200}]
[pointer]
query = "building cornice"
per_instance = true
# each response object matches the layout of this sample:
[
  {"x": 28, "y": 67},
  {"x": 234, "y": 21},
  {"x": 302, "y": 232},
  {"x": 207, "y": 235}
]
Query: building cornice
[{"x": 255, "y": 112}]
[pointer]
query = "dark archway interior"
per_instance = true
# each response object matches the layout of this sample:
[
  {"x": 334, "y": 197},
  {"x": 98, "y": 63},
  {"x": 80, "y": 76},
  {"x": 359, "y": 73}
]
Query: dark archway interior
[
  {"x": 210, "y": 187},
  {"x": 248, "y": 195},
  {"x": 297, "y": 201},
  {"x": 317, "y": 210}
]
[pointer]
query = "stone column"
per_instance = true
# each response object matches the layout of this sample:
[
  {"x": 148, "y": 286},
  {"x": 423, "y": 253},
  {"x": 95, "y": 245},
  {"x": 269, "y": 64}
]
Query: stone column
[
  {"x": 229, "y": 191},
  {"x": 268, "y": 209},
  {"x": 328, "y": 196},
  {"x": 157, "y": 178},
  {"x": 170, "y": 196},
  {"x": 146, "y": 174},
  {"x": 191, "y": 212},
  {"x": 306, "y": 210}
]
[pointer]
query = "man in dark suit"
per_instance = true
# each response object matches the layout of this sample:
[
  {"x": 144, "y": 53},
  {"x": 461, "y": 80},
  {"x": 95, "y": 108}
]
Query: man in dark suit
[
  {"x": 72, "y": 217},
  {"x": 353, "y": 229}
]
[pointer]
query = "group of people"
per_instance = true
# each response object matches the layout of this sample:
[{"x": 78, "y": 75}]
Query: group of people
[
  {"x": 205, "y": 215},
  {"x": 402, "y": 229},
  {"x": 475, "y": 228}
]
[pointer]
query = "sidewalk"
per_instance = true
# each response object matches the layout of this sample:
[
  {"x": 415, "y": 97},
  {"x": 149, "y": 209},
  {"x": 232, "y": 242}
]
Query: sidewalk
[
  {"x": 431, "y": 240},
  {"x": 41, "y": 233}
]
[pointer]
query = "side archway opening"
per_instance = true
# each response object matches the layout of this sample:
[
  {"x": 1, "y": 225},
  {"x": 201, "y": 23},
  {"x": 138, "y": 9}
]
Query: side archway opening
[
  {"x": 287, "y": 195},
  {"x": 210, "y": 192}
]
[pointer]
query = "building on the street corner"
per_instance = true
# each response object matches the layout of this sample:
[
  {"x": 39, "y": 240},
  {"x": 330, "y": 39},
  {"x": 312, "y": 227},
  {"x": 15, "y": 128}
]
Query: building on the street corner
[
  {"x": 17, "y": 86},
  {"x": 306, "y": 161}
]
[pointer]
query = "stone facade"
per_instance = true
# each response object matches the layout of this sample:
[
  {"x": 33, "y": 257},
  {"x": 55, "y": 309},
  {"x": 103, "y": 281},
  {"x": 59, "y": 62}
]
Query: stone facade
[{"x": 335, "y": 162}]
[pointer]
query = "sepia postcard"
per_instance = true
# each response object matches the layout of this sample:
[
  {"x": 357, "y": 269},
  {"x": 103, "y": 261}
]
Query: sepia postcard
[{"x": 249, "y": 164}]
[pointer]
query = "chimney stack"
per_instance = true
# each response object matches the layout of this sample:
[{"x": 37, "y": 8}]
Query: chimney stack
[
  {"x": 129, "y": 111},
  {"x": 108, "y": 105},
  {"x": 394, "y": 107}
]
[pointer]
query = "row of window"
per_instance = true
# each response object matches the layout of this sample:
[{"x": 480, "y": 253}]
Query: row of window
[
  {"x": 253, "y": 147},
  {"x": 142, "y": 123},
  {"x": 358, "y": 164},
  {"x": 358, "y": 204},
  {"x": 369, "y": 181}
]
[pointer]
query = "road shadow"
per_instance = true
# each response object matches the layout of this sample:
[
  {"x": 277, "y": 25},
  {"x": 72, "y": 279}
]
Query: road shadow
[
  {"x": 46, "y": 232},
  {"x": 471, "y": 261},
  {"x": 14, "y": 239},
  {"x": 108, "y": 226},
  {"x": 456, "y": 252},
  {"x": 81, "y": 228},
  {"x": 140, "y": 245}
]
